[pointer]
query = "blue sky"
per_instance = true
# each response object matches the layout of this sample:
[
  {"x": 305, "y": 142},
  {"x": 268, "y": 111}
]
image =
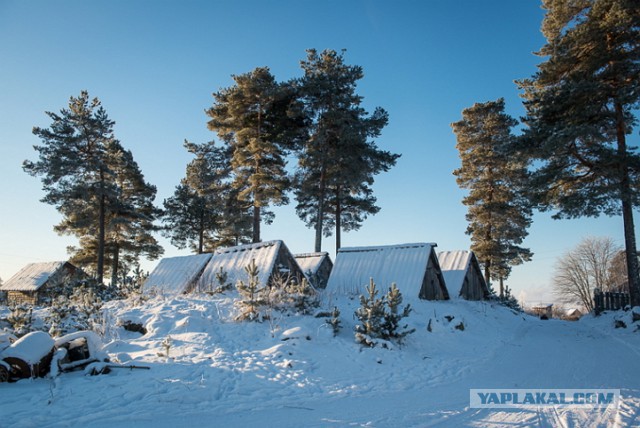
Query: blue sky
[{"x": 155, "y": 64}]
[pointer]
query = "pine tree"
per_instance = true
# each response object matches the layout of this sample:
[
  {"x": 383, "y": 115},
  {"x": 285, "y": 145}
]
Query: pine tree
[
  {"x": 253, "y": 295},
  {"x": 498, "y": 213},
  {"x": 203, "y": 211},
  {"x": 253, "y": 118},
  {"x": 338, "y": 162},
  {"x": 581, "y": 105},
  {"x": 371, "y": 316},
  {"x": 129, "y": 218},
  {"x": 391, "y": 326},
  {"x": 74, "y": 169}
]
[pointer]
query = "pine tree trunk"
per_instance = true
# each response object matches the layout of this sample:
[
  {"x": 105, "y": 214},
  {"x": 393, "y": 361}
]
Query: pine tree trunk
[
  {"x": 338, "y": 220},
  {"x": 487, "y": 272},
  {"x": 320, "y": 217},
  {"x": 256, "y": 224},
  {"x": 501, "y": 287},
  {"x": 114, "y": 265},
  {"x": 627, "y": 211},
  {"x": 101, "y": 229},
  {"x": 201, "y": 233}
]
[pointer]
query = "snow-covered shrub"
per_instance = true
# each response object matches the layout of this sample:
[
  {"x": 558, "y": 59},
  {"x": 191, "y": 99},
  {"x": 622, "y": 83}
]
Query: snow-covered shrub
[
  {"x": 21, "y": 319},
  {"x": 81, "y": 311},
  {"x": 334, "y": 321},
  {"x": 510, "y": 301},
  {"x": 299, "y": 296},
  {"x": 380, "y": 317},
  {"x": 221, "y": 285}
]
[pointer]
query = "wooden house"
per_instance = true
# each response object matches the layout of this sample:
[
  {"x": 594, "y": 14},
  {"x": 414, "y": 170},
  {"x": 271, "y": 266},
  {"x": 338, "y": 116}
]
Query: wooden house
[
  {"x": 272, "y": 258},
  {"x": 316, "y": 266},
  {"x": 38, "y": 283},
  {"x": 177, "y": 275},
  {"x": 543, "y": 310},
  {"x": 462, "y": 272},
  {"x": 572, "y": 314},
  {"x": 414, "y": 268}
]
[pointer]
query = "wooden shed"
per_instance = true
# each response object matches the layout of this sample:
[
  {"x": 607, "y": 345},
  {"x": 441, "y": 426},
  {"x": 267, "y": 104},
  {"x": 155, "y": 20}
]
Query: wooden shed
[
  {"x": 272, "y": 258},
  {"x": 38, "y": 283},
  {"x": 316, "y": 266},
  {"x": 462, "y": 272},
  {"x": 177, "y": 275},
  {"x": 413, "y": 267}
]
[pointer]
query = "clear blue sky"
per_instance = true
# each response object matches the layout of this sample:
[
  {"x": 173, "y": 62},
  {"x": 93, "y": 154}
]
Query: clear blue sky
[{"x": 155, "y": 64}]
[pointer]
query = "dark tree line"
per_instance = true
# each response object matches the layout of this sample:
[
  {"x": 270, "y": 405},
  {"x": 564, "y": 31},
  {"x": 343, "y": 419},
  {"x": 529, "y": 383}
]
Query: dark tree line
[
  {"x": 318, "y": 120},
  {"x": 229, "y": 187}
]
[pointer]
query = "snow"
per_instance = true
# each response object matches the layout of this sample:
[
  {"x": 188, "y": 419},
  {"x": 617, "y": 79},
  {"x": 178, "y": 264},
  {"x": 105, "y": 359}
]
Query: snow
[
  {"x": 175, "y": 275},
  {"x": 31, "y": 277},
  {"x": 454, "y": 265},
  {"x": 404, "y": 264},
  {"x": 30, "y": 348},
  {"x": 234, "y": 260},
  {"x": 310, "y": 262},
  {"x": 291, "y": 371}
]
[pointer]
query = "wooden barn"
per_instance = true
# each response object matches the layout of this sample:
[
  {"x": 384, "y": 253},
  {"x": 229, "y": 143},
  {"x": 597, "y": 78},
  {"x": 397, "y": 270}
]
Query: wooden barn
[
  {"x": 462, "y": 272},
  {"x": 316, "y": 266},
  {"x": 177, "y": 275},
  {"x": 272, "y": 258},
  {"x": 37, "y": 283},
  {"x": 413, "y": 267}
]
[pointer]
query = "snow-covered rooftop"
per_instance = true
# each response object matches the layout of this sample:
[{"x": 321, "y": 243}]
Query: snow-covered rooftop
[
  {"x": 454, "y": 265},
  {"x": 404, "y": 264},
  {"x": 234, "y": 260},
  {"x": 310, "y": 262},
  {"x": 176, "y": 274},
  {"x": 31, "y": 277}
]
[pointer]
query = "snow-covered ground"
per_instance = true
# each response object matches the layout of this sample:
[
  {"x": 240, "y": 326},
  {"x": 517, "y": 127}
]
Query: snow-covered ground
[{"x": 292, "y": 372}]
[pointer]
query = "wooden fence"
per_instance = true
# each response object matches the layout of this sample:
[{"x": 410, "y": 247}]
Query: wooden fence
[{"x": 609, "y": 301}]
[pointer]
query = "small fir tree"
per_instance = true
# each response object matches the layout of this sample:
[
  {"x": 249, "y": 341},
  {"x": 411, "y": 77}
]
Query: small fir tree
[
  {"x": 334, "y": 321},
  {"x": 253, "y": 296},
  {"x": 380, "y": 317},
  {"x": 391, "y": 325},
  {"x": 371, "y": 316}
]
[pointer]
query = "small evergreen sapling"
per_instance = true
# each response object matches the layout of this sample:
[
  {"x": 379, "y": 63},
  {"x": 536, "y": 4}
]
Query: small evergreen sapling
[
  {"x": 371, "y": 316},
  {"x": 253, "y": 296},
  {"x": 380, "y": 317},
  {"x": 334, "y": 321},
  {"x": 392, "y": 318}
]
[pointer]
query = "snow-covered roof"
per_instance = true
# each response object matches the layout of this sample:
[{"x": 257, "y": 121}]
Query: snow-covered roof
[
  {"x": 32, "y": 277},
  {"x": 234, "y": 260},
  {"x": 404, "y": 264},
  {"x": 454, "y": 265},
  {"x": 310, "y": 262},
  {"x": 176, "y": 274}
]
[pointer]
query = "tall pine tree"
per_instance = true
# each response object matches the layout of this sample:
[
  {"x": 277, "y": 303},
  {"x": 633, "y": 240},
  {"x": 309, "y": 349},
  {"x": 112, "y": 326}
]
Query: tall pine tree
[
  {"x": 74, "y": 168},
  {"x": 498, "y": 214},
  {"x": 581, "y": 106},
  {"x": 129, "y": 220},
  {"x": 253, "y": 118},
  {"x": 338, "y": 162}
]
